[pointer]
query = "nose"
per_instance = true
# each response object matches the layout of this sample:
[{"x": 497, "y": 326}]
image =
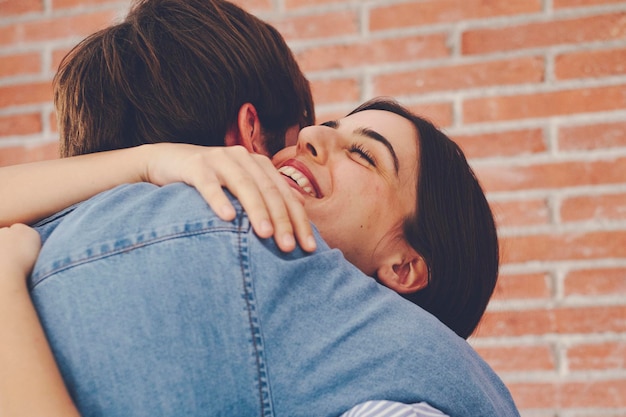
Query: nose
[{"x": 316, "y": 142}]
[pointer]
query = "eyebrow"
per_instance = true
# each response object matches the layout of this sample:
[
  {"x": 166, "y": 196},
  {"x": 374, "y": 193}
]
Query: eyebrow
[{"x": 372, "y": 134}]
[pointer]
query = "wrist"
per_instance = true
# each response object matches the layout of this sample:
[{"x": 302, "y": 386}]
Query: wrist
[
  {"x": 12, "y": 278},
  {"x": 142, "y": 158}
]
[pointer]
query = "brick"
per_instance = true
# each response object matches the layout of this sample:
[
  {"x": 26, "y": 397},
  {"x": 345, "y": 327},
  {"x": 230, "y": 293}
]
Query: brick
[
  {"x": 523, "y": 287},
  {"x": 596, "y": 136},
  {"x": 445, "y": 11},
  {"x": 571, "y": 320},
  {"x": 597, "y": 393},
  {"x": 20, "y": 64},
  {"x": 554, "y": 32},
  {"x": 370, "y": 52},
  {"x": 516, "y": 323},
  {"x": 296, "y": 4},
  {"x": 597, "y": 356},
  {"x": 598, "y": 208},
  {"x": 601, "y": 319},
  {"x": 534, "y": 395},
  {"x": 57, "y": 57},
  {"x": 15, "y": 7},
  {"x": 508, "y": 177},
  {"x": 15, "y": 95},
  {"x": 505, "y": 143},
  {"x": 335, "y": 90},
  {"x": 440, "y": 114},
  {"x": 63, "y": 4},
  {"x": 8, "y": 34},
  {"x": 458, "y": 77},
  {"x": 595, "y": 282},
  {"x": 519, "y": 358},
  {"x": 563, "y": 395},
  {"x": 564, "y": 246},
  {"x": 20, "y": 124},
  {"x": 318, "y": 26},
  {"x": 559, "y": 4},
  {"x": 521, "y": 212},
  {"x": 21, "y": 154},
  {"x": 590, "y": 64},
  {"x": 252, "y": 5},
  {"x": 52, "y": 117},
  {"x": 543, "y": 105},
  {"x": 61, "y": 27}
]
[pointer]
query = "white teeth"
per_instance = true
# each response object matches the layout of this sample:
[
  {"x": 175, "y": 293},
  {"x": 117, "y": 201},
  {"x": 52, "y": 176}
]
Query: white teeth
[{"x": 302, "y": 181}]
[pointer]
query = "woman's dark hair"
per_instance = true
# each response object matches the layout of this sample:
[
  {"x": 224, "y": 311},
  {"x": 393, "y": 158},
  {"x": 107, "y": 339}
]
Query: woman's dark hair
[
  {"x": 453, "y": 228},
  {"x": 178, "y": 71}
]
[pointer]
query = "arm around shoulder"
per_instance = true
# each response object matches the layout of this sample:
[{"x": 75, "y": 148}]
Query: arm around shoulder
[
  {"x": 28, "y": 368},
  {"x": 35, "y": 190}
]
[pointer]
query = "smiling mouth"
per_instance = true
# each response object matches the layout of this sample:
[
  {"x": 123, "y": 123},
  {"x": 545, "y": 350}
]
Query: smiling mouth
[{"x": 300, "y": 180}]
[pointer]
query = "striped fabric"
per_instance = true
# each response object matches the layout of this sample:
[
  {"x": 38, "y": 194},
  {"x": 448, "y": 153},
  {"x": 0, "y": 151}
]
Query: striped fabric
[{"x": 392, "y": 409}]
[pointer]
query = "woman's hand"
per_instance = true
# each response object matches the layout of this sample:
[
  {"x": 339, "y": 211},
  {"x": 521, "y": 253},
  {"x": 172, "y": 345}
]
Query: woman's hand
[
  {"x": 273, "y": 207},
  {"x": 19, "y": 247},
  {"x": 28, "y": 367}
]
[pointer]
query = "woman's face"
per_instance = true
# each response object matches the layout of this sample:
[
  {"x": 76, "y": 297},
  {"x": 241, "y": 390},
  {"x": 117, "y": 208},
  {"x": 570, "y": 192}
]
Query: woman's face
[{"x": 358, "y": 179}]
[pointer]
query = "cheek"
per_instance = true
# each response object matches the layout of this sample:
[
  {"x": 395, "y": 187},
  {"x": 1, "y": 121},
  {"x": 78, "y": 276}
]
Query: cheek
[{"x": 372, "y": 204}]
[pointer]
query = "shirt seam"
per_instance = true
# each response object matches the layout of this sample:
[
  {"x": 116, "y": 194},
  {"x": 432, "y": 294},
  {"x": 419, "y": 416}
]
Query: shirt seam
[{"x": 37, "y": 280}]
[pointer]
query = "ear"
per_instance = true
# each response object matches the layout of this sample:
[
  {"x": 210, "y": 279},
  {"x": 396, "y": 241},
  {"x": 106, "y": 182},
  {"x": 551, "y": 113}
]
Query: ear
[
  {"x": 404, "y": 274},
  {"x": 248, "y": 130}
]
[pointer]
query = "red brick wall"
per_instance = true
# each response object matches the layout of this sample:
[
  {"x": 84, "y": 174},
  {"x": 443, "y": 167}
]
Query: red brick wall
[{"x": 534, "y": 90}]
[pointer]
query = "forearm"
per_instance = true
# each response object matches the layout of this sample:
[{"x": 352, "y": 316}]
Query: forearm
[
  {"x": 33, "y": 191},
  {"x": 30, "y": 382}
]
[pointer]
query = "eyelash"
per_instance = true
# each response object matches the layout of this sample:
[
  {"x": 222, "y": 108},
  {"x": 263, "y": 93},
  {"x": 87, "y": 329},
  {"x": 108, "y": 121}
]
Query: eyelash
[{"x": 363, "y": 153}]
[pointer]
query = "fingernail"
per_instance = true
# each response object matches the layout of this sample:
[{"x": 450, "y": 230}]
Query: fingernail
[
  {"x": 227, "y": 211},
  {"x": 266, "y": 227},
  {"x": 310, "y": 243},
  {"x": 288, "y": 240}
]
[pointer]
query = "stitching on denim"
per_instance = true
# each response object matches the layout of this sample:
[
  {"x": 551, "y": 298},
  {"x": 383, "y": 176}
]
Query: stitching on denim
[
  {"x": 125, "y": 248},
  {"x": 255, "y": 329}
]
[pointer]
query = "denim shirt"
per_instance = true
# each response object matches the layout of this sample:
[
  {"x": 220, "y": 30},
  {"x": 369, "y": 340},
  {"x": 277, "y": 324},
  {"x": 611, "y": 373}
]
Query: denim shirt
[{"x": 154, "y": 306}]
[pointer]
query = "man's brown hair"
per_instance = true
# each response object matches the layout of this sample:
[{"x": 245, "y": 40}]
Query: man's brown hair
[{"x": 178, "y": 71}]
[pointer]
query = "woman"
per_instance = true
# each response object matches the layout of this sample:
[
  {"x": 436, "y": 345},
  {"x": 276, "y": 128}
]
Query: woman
[{"x": 436, "y": 267}]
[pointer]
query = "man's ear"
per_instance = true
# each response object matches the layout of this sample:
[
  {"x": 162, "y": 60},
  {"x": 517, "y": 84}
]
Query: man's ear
[
  {"x": 404, "y": 274},
  {"x": 250, "y": 129}
]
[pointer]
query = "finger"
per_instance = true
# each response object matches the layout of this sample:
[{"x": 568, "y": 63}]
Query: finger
[
  {"x": 261, "y": 201},
  {"x": 287, "y": 211},
  {"x": 301, "y": 224},
  {"x": 230, "y": 168},
  {"x": 279, "y": 215},
  {"x": 253, "y": 182},
  {"x": 217, "y": 199},
  {"x": 204, "y": 178}
]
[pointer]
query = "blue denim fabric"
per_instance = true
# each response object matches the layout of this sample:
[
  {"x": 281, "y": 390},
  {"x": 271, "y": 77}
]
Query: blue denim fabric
[{"x": 155, "y": 307}]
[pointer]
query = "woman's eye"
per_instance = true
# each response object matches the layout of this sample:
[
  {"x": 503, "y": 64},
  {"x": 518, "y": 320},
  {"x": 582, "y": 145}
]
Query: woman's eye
[{"x": 363, "y": 154}]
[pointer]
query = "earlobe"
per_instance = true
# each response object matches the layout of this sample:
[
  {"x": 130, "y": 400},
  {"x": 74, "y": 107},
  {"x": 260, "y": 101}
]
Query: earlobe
[{"x": 404, "y": 276}]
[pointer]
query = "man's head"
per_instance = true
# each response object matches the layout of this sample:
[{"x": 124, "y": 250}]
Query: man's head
[{"x": 179, "y": 71}]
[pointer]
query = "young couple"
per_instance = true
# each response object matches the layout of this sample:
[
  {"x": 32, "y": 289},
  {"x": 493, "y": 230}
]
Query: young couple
[{"x": 154, "y": 304}]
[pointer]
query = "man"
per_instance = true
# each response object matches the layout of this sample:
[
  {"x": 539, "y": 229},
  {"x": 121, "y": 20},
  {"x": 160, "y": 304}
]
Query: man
[{"x": 200, "y": 72}]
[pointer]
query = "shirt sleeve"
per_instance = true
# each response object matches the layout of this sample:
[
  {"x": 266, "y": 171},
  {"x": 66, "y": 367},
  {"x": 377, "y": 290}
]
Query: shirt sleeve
[{"x": 393, "y": 409}]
